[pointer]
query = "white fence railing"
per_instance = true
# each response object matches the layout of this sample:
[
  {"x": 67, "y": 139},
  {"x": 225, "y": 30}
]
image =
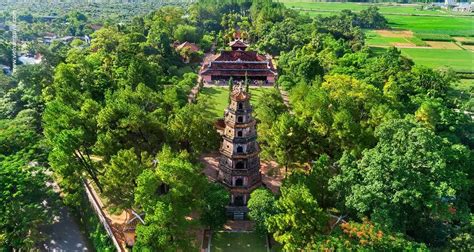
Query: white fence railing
[{"x": 98, "y": 210}]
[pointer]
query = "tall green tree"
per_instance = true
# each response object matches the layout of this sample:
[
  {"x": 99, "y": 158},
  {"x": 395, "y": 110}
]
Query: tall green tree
[
  {"x": 287, "y": 142},
  {"x": 299, "y": 219},
  {"x": 120, "y": 177},
  {"x": 22, "y": 204},
  {"x": 261, "y": 207},
  {"x": 72, "y": 133},
  {"x": 213, "y": 211},
  {"x": 131, "y": 118},
  {"x": 193, "y": 130},
  {"x": 168, "y": 195},
  {"x": 410, "y": 182}
]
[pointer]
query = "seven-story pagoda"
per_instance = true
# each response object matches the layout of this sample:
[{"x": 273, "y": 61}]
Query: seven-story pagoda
[{"x": 239, "y": 165}]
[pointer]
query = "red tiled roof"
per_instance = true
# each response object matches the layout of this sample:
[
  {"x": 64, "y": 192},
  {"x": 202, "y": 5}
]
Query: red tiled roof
[
  {"x": 238, "y": 63},
  {"x": 242, "y": 55},
  {"x": 239, "y": 95},
  {"x": 238, "y": 44},
  {"x": 192, "y": 47}
]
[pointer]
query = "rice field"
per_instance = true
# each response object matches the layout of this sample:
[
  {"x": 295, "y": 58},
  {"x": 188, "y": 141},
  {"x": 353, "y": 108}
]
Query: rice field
[
  {"x": 384, "y": 8},
  {"x": 458, "y": 60},
  {"x": 374, "y": 38},
  {"x": 454, "y": 26},
  {"x": 412, "y": 28},
  {"x": 405, "y": 17}
]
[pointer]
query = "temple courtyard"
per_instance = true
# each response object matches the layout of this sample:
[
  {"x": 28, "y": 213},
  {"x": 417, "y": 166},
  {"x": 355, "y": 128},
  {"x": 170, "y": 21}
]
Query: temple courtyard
[
  {"x": 238, "y": 241},
  {"x": 217, "y": 98}
]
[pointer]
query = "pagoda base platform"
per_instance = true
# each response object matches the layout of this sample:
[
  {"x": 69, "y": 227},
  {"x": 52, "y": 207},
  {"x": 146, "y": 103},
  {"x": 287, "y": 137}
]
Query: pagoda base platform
[{"x": 237, "y": 212}]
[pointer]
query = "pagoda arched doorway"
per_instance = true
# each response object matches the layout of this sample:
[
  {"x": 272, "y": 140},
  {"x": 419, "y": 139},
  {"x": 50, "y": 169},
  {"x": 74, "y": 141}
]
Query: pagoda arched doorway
[
  {"x": 239, "y": 165},
  {"x": 239, "y": 182},
  {"x": 240, "y": 149},
  {"x": 239, "y": 200}
]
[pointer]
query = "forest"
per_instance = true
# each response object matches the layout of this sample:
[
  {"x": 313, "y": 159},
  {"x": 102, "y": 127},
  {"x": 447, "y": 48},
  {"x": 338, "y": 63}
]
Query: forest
[{"x": 369, "y": 136}]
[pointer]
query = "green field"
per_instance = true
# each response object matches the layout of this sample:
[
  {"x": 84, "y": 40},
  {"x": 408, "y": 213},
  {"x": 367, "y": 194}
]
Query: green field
[
  {"x": 425, "y": 23},
  {"x": 373, "y": 38},
  {"x": 407, "y": 9},
  {"x": 459, "y": 60},
  {"x": 237, "y": 242},
  {"x": 399, "y": 17},
  {"x": 438, "y": 25},
  {"x": 218, "y": 98},
  {"x": 456, "y": 26}
]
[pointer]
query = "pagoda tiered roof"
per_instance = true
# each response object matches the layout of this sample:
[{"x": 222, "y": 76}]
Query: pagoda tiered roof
[
  {"x": 239, "y": 95},
  {"x": 238, "y": 44},
  {"x": 238, "y": 62}
]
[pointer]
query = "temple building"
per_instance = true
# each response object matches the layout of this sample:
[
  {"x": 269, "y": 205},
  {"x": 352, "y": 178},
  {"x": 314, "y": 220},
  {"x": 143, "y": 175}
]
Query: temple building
[
  {"x": 239, "y": 164},
  {"x": 238, "y": 64}
]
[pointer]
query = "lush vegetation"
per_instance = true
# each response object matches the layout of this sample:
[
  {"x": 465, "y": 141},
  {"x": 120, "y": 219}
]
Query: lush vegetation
[
  {"x": 25, "y": 203},
  {"x": 357, "y": 116},
  {"x": 377, "y": 152},
  {"x": 406, "y": 17}
]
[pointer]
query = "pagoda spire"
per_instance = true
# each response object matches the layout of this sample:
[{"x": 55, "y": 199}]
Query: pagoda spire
[{"x": 239, "y": 165}]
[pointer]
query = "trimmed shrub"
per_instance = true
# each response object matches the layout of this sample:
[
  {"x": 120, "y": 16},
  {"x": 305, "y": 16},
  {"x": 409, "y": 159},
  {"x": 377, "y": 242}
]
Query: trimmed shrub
[{"x": 467, "y": 42}]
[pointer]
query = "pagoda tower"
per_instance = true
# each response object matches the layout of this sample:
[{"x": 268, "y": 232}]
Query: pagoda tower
[{"x": 239, "y": 165}]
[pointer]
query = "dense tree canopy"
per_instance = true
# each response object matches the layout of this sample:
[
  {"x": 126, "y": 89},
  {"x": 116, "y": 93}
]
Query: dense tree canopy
[
  {"x": 25, "y": 202},
  {"x": 427, "y": 185},
  {"x": 378, "y": 154}
]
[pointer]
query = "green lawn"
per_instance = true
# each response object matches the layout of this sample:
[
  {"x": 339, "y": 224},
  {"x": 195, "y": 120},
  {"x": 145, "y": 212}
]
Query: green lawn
[
  {"x": 218, "y": 98},
  {"x": 459, "y": 60},
  {"x": 237, "y": 242}
]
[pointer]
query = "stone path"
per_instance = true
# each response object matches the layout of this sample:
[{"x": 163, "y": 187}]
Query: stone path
[
  {"x": 239, "y": 226},
  {"x": 64, "y": 234},
  {"x": 285, "y": 96}
]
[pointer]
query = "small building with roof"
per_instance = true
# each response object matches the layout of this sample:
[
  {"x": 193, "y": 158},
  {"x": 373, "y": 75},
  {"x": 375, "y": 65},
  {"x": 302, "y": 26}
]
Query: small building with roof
[
  {"x": 238, "y": 64},
  {"x": 188, "y": 51},
  {"x": 188, "y": 45}
]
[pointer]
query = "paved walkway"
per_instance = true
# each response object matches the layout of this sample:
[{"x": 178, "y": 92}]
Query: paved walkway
[
  {"x": 286, "y": 98},
  {"x": 64, "y": 234}
]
